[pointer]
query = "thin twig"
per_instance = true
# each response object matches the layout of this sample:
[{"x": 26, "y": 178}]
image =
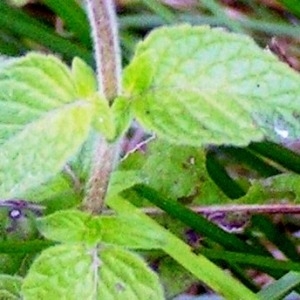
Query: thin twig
[{"x": 241, "y": 208}]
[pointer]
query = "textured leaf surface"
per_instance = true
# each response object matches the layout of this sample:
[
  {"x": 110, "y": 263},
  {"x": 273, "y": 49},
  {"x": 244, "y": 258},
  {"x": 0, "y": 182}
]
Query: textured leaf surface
[
  {"x": 10, "y": 287},
  {"x": 69, "y": 226},
  {"x": 43, "y": 118},
  {"x": 29, "y": 87},
  {"x": 209, "y": 86},
  {"x": 41, "y": 149},
  {"x": 131, "y": 231},
  {"x": 124, "y": 276},
  {"x": 77, "y": 272},
  {"x": 61, "y": 272}
]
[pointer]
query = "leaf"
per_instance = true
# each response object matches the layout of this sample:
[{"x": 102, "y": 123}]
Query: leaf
[
  {"x": 10, "y": 287},
  {"x": 36, "y": 92},
  {"x": 126, "y": 276},
  {"x": 168, "y": 269},
  {"x": 41, "y": 149},
  {"x": 130, "y": 231},
  {"x": 84, "y": 78},
  {"x": 77, "y": 272},
  {"x": 29, "y": 87},
  {"x": 282, "y": 287},
  {"x": 103, "y": 121},
  {"x": 53, "y": 191},
  {"x": 69, "y": 226},
  {"x": 208, "y": 86},
  {"x": 213, "y": 276},
  {"x": 176, "y": 171},
  {"x": 61, "y": 272},
  {"x": 121, "y": 111}
]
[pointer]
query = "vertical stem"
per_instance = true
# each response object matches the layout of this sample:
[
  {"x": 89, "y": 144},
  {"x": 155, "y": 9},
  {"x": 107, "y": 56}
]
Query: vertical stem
[{"x": 102, "y": 19}]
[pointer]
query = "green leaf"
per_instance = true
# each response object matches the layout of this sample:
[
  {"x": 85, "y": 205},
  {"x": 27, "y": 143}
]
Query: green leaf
[
  {"x": 130, "y": 231},
  {"x": 53, "y": 191},
  {"x": 179, "y": 172},
  {"x": 69, "y": 226},
  {"x": 122, "y": 180},
  {"x": 213, "y": 276},
  {"x": 29, "y": 87},
  {"x": 84, "y": 78},
  {"x": 10, "y": 287},
  {"x": 168, "y": 269},
  {"x": 126, "y": 276},
  {"x": 209, "y": 86},
  {"x": 176, "y": 171},
  {"x": 60, "y": 272},
  {"x": 121, "y": 111},
  {"x": 41, "y": 149},
  {"x": 77, "y": 272},
  {"x": 281, "y": 287},
  {"x": 103, "y": 121},
  {"x": 133, "y": 81}
]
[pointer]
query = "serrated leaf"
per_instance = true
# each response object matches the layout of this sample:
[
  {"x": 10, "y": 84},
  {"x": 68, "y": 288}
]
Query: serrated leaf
[
  {"x": 29, "y": 87},
  {"x": 84, "y": 78},
  {"x": 61, "y": 272},
  {"x": 69, "y": 226},
  {"x": 211, "y": 86},
  {"x": 125, "y": 276},
  {"x": 10, "y": 287},
  {"x": 41, "y": 149},
  {"x": 130, "y": 231},
  {"x": 77, "y": 272}
]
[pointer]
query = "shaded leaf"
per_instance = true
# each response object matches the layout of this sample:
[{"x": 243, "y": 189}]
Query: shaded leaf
[
  {"x": 126, "y": 276},
  {"x": 10, "y": 287}
]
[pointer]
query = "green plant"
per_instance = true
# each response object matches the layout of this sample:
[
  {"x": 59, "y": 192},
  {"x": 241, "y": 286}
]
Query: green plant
[{"x": 61, "y": 130}]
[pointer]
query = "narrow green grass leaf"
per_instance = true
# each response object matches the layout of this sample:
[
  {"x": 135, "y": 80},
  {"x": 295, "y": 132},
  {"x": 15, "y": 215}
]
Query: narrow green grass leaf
[
  {"x": 210, "y": 86},
  {"x": 249, "y": 260},
  {"x": 213, "y": 276},
  {"x": 21, "y": 24},
  {"x": 73, "y": 15},
  {"x": 281, "y": 287},
  {"x": 192, "y": 219}
]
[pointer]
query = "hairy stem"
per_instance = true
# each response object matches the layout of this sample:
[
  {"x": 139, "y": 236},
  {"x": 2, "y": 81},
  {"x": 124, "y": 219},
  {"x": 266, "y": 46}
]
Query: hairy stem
[{"x": 102, "y": 19}]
